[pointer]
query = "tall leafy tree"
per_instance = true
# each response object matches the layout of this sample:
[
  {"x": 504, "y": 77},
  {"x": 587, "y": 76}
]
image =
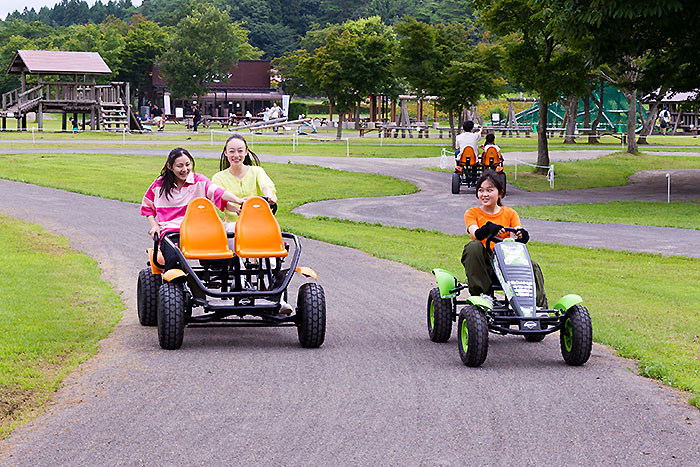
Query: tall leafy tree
[
  {"x": 144, "y": 41},
  {"x": 438, "y": 60},
  {"x": 354, "y": 61},
  {"x": 535, "y": 58},
  {"x": 203, "y": 48},
  {"x": 638, "y": 46}
]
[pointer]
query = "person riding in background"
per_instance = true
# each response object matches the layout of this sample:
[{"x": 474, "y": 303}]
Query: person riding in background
[
  {"x": 469, "y": 137},
  {"x": 489, "y": 218},
  {"x": 166, "y": 200}
]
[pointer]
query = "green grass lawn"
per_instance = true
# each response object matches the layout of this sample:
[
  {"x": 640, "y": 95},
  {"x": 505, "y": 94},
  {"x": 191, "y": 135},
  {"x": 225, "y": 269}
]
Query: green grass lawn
[
  {"x": 611, "y": 170},
  {"x": 48, "y": 326},
  {"x": 674, "y": 214},
  {"x": 633, "y": 311}
]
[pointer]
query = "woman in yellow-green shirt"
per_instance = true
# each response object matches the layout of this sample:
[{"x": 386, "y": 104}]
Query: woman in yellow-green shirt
[{"x": 242, "y": 175}]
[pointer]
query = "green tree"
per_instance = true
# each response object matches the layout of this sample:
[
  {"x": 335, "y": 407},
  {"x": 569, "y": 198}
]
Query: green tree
[
  {"x": 535, "y": 58},
  {"x": 203, "y": 48},
  {"x": 638, "y": 47},
  {"x": 143, "y": 43},
  {"x": 437, "y": 60},
  {"x": 352, "y": 64}
]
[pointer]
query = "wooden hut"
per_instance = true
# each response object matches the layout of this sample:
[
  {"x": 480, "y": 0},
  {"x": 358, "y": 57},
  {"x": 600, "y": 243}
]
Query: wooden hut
[{"x": 76, "y": 91}]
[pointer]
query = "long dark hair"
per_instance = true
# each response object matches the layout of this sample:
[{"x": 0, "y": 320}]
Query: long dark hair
[
  {"x": 167, "y": 173},
  {"x": 250, "y": 158},
  {"x": 495, "y": 179}
]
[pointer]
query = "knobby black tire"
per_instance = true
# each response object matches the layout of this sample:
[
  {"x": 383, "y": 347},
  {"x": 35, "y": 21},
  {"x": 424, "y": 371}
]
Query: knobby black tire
[
  {"x": 311, "y": 315},
  {"x": 440, "y": 326},
  {"x": 477, "y": 343},
  {"x": 455, "y": 183},
  {"x": 576, "y": 336},
  {"x": 147, "y": 297},
  {"x": 171, "y": 315}
]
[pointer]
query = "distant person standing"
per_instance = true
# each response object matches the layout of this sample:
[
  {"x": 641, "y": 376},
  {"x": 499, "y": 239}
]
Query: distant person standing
[
  {"x": 196, "y": 118},
  {"x": 664, "y": 120}
]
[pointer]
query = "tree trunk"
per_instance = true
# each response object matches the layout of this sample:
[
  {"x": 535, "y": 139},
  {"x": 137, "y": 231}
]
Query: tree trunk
[
  {"x": 452, "y": 130},
  {"x": 339, "y": 133},
  {"x": 542, "y": 150},
  {"x": 357, "y": 116},
  {"x": 570, "y": 123},
  {"x": 648, "y": 125},
  {"x": 631, "y": 95},
  {"x": 592, "y": 137}
]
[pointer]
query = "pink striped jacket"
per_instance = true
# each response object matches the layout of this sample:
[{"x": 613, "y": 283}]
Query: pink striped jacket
[{"x": 169, "y": 212}]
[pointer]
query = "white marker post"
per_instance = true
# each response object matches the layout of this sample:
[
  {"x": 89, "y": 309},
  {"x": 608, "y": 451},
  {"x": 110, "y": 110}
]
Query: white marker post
[{"x": 668, "y": 188}]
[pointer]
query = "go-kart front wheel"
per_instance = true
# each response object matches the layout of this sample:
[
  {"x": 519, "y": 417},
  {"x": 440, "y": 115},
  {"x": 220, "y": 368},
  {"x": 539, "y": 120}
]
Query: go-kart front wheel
[
  {"x": 311, "y": 315},
  {"x": 576, "y": 336},
  {"x": 439, "y": 317},
  {"x": 147, "y": 297},
  {"x": 456, "y": 182},
  {"x": 473, "y": 336},
  {"x": 171, "y": 315}
]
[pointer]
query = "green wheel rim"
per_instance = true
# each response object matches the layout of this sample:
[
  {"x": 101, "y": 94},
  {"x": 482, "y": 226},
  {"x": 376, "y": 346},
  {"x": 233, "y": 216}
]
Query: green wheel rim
[
  {"x": 464, "y": 335},
  {"x": 568, "y": 335},
  {"x": 432, "y": 314}
]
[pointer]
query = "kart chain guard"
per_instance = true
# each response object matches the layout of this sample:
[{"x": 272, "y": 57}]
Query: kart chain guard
[{"x": 513, "y": 267}]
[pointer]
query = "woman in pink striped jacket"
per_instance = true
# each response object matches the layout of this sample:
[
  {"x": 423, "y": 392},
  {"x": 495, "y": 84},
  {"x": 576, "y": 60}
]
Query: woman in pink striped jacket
[{"x": 166, "y": 200}]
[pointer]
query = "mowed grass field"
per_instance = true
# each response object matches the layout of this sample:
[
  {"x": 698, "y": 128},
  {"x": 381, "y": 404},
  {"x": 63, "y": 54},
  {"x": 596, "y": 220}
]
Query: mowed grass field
[
  {"x": 633, "y": 310},
  {"x": 54, "y": 308}
]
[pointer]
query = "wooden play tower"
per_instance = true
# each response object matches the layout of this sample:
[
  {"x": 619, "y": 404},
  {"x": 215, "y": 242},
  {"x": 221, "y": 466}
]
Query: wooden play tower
[{"x": 75, "y": 91}]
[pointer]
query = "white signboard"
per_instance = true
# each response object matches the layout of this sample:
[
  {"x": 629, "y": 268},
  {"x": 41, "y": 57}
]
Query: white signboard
[
  {"x": 495, "y": 118},
  {"x": 285, "y": 104},
  {"x": 166, "y": 103},
  {"x": 179, "y": 113}
]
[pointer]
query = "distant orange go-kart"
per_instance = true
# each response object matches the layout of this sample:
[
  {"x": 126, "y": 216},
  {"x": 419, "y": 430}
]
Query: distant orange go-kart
[
  {"x": 468, "y": 167},
  {"x": 218, "y": 286}
]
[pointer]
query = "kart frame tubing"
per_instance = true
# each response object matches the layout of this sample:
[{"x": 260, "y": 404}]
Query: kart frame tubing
[{"x": 241, "y": 293}]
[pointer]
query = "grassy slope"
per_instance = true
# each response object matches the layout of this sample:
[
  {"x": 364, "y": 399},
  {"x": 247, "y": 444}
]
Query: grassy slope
[{"x": 49, "y": 325}]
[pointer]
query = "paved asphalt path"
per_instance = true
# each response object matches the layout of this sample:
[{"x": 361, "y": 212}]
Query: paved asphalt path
[{"x": 377, "y": 393}]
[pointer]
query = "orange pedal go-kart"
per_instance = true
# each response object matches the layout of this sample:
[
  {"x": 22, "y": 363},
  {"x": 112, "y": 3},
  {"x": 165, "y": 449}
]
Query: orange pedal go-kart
[
  {"x": 217, "y": 286},
  {"x": 468, "y": 167}
]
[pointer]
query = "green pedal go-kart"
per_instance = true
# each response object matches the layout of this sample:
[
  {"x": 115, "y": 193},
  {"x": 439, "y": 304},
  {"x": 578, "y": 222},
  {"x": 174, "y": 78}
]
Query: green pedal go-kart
[
  {"x": 510, "y": 309},
  {"x": 217, "y": 285}
]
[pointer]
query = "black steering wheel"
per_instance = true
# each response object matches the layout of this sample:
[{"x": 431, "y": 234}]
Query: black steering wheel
[
  {"x": 273, "y": 206},
  {"x": 494, "y": 239},
  {"x": 154, "y": 259}
]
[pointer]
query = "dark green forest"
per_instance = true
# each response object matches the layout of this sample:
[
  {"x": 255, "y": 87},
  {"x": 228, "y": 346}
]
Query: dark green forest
[{"x": 276, "y": 26}]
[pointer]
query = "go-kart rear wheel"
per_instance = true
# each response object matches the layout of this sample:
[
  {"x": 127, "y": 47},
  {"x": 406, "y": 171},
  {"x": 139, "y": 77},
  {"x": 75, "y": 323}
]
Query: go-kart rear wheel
[
  {"x": 439, "y": 317},
  {"x": 535, "y": 337},
  {"x": 147, "y": 297},
  {"x": 171, "y": 315},
  {"x": 473, "y": 336},
  {"x": 576, "y": 335},
  {"x": 456, "y": 182},
  {"x": 311, "y": 315}
]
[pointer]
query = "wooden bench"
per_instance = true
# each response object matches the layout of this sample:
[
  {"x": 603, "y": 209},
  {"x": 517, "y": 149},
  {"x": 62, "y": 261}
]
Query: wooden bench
[
  {"x": 394, "y": 131},
  {"x": 509, "y": 130},
  {"x": 447, "y": 130}
]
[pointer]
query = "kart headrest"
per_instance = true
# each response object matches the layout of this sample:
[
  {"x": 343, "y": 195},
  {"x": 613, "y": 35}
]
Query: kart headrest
[
  {"x": 202, "y": 234},
  {"x": 490, "y": 157},
  {"x": 257, "y": 232},
  {"x": 468, "y": 156}
]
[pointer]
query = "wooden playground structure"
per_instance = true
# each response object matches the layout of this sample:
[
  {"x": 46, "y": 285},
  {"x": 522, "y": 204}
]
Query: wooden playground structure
[{"x": 102, "y": 106}]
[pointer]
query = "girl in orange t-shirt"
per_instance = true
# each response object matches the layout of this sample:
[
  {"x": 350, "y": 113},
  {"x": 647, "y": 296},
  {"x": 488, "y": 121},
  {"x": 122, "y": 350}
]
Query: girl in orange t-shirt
[{"x": 489, "y": 218}]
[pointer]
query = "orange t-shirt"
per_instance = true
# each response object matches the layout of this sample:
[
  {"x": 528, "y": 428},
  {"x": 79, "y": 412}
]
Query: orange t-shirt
[{"x": 506, "y": 217}]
